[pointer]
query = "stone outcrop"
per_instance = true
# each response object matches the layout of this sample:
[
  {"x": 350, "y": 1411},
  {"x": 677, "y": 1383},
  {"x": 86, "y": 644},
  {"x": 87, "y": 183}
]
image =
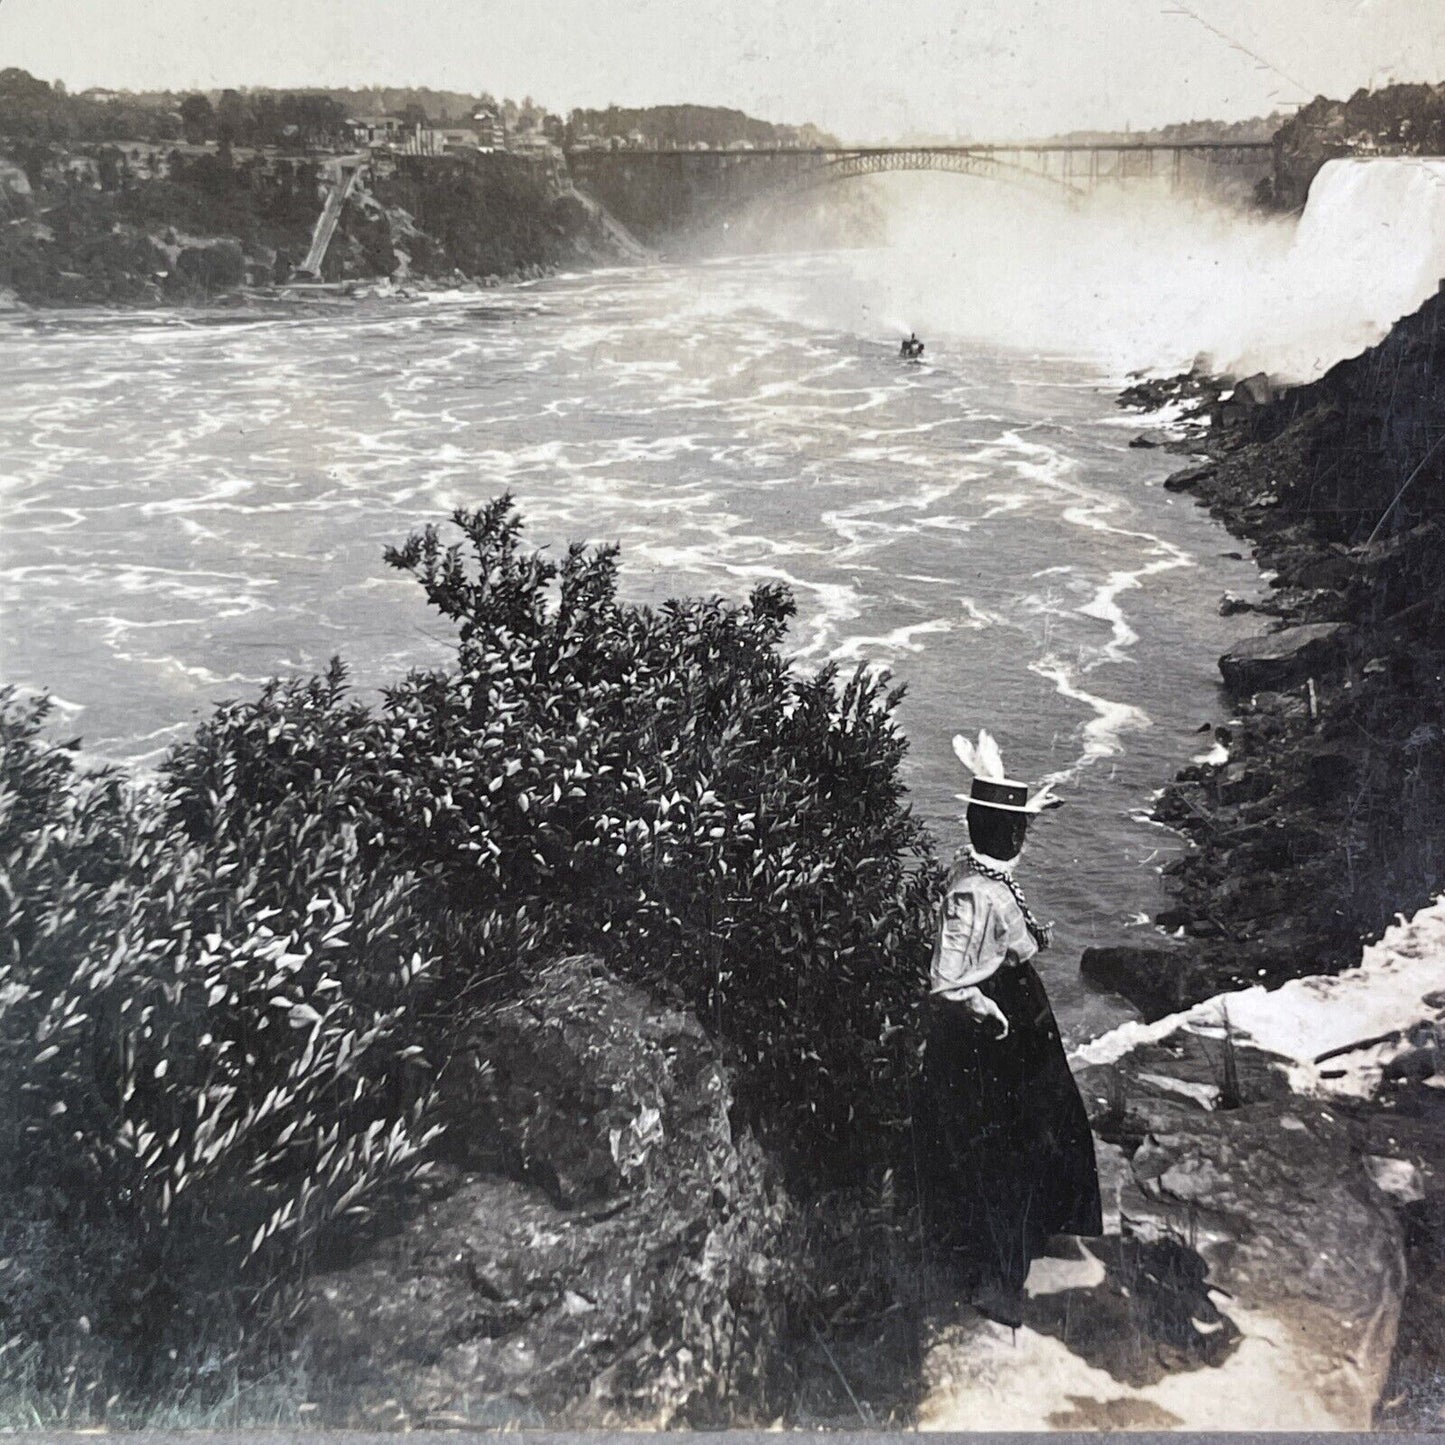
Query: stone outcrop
[
  {"x": 1265, "y": 1159},
  {"x": 602, "y": 1248},
  {"x": 1279, "y": 660},
  {"x": 1156, "y": 980}
]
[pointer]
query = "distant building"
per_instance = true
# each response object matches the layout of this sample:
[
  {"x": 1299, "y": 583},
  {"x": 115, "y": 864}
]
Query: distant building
[
  {"x": 532, "y": 145},
  {"x": 376, "y": 130},
  {"x": 490, "y": 129}
]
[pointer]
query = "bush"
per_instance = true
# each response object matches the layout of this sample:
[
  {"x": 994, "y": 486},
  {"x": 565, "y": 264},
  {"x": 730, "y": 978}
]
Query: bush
[
  {"x": 225, "y": 998},
  {"x": 208, "y": 1047},
  {"x": 659, "y": 786},
  {"x": 656, "y": 786}
]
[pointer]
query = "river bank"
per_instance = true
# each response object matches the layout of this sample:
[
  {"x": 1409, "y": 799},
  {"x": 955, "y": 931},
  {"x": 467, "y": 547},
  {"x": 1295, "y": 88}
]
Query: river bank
[
  {"x": 1315, "y": 821},
  {"x": 1271, "y": 1139},
  {"x": 1282, "y": 1119}
]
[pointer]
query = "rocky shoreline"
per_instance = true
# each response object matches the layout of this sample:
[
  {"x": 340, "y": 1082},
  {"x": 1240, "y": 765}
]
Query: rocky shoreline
[
  {"x": 1314, "y": 822},
  {"x": 1279, "y": 1116}
]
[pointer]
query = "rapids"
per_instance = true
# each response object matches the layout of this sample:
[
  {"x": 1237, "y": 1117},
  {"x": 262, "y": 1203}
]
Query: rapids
[{"x": 193, "y": 502}]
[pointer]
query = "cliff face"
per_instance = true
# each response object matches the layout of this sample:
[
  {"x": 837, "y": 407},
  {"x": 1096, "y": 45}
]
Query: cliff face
[
  {"x": 1396, "y": 118},
  {"x": 104, "y": 229},
  {"x": 1326, "y": 817}
]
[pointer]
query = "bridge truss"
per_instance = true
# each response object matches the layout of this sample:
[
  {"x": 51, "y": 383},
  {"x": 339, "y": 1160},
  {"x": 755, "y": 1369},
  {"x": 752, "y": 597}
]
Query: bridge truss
[{"x": 843, "y": 166}]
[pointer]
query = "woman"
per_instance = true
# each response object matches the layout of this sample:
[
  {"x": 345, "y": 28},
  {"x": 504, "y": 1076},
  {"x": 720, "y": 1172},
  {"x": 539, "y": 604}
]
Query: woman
[{"x": 1012, "y": 1153}]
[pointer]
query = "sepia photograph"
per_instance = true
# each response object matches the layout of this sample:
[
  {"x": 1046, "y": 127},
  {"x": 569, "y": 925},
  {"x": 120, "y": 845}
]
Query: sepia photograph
[{"x": 722, "y": 717}]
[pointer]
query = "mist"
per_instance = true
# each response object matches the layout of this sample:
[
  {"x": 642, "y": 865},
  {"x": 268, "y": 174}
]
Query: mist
[{"x": 1140, "y": 278}]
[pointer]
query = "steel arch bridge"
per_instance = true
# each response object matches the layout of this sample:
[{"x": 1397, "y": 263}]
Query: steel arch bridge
[
  {"x": 985, "y": 164},
  {"x": 653, "y": 189}
]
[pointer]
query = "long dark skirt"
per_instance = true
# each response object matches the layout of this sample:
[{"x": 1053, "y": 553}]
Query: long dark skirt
[{"x": 1009, "y": 1153}]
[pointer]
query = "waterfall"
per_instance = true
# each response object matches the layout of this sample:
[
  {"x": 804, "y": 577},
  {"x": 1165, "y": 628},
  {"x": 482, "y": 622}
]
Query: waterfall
[{"x": 1369, "y": 249}]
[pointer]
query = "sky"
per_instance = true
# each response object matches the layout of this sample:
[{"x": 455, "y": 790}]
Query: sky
[{"x": 865, "y": 69}]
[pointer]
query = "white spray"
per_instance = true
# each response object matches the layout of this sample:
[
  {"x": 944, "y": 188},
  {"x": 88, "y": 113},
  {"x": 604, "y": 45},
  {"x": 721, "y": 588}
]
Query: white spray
[{"x": 1137, "y": 277}]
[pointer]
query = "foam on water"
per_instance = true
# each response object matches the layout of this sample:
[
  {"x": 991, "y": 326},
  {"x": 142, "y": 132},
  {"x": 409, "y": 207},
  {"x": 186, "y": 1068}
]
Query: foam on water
[{"x": 190, "y": 508}]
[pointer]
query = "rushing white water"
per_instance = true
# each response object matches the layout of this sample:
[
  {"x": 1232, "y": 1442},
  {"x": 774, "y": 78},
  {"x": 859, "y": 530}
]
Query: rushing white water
[
  {"x": 1370, "y": 248},
  {"x": 194, "y": 503},
  {"x": 1139, "y": 277}
]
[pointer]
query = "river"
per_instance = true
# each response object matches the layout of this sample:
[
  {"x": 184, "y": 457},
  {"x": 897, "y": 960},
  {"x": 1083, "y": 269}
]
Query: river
[{"x": 192, "y": 502}]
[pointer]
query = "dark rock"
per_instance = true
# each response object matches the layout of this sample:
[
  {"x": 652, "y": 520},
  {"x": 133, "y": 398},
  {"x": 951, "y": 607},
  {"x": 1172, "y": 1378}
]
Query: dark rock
[
  {"x": 1183, "y": 481},
  {"x": 1328, "y": 573},
  {"x": 1283, "y": 659},
  {"x": 573, "y": 1084},
  {"x": 1253, "y": 390},
  {"x": 1240, "y": 783},
  {"x": 1142, "y": 441},
  {"x": 1281, "y": 704},
  {"x": 495, "y": 1305},
  {"x": 1157, "y": 981}
]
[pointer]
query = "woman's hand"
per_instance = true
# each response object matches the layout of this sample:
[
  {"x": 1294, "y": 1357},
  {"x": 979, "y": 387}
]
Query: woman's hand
[{"x": 982, "y": 1007}]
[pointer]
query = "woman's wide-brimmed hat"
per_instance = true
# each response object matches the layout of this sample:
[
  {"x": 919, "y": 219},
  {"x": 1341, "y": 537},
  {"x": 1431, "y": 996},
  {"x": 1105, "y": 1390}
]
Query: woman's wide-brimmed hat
[{"x": 991, "y": 788}]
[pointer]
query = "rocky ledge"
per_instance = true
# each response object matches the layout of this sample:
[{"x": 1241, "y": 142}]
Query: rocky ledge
[
  {"x": 1272, "y": 1162},
  {"x": 601, "y": 1248}
]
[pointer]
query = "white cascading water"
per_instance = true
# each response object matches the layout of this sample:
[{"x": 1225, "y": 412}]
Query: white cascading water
[
  {"x": 1370, "y": 248},
  {"x": 1145, "y": 278}
]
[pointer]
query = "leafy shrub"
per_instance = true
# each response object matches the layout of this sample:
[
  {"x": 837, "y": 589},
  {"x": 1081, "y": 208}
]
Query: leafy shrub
[
  {"x": 208, "y": 1045},
  {"x": 656, "y": 786},
  {"x": 659, "y": 786},
  {"x": 225, "y": 997}
]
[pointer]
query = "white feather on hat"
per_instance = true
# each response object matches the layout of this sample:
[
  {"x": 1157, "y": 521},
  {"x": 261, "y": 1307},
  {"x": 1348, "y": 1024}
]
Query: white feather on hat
[{"x": 984, "y": 760}]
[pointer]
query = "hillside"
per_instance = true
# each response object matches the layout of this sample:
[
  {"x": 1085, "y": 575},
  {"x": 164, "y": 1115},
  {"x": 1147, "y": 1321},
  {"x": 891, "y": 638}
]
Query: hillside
[{"x": 1397, "y": 119}]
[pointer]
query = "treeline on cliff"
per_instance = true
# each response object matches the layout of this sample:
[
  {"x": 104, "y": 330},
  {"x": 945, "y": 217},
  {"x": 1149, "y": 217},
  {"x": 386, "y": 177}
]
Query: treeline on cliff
[
  {"x": 226, "y": 998},
  {"x": 137, "y": 226},
  {"x": 35, "y": 111},
  {"x": 687, "y": 125},
  {"x": 1398, "y": 119}
]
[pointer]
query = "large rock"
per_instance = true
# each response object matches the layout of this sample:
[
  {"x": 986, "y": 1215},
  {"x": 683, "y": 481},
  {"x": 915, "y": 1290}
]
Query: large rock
[
  {"x": 1157, "y": 981},
  {"x": 1301, "y": 1244},
  {"x": 604, "y": 1253},
  {"x": 1189, "y": 477},
  {"x": 1283, "y": 659},
  {"x": 1250, "y": 1278},
  {"x": 583, "y": 1086}
]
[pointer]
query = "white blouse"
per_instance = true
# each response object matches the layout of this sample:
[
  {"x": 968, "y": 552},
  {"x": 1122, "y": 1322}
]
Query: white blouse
[{"x": 982, "y": 925}]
